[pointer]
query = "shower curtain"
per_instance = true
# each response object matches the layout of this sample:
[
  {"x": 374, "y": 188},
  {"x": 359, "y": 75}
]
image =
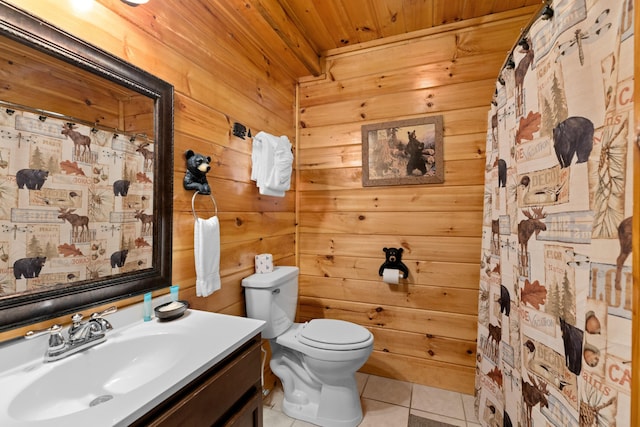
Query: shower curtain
[{"x": 554, "y": 317}]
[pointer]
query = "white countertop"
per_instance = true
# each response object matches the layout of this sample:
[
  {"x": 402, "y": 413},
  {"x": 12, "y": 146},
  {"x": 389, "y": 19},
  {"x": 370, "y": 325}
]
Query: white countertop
[{"x": 195, "y": 342}]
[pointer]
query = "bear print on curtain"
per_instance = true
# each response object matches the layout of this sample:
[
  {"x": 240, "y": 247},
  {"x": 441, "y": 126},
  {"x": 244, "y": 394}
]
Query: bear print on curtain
[
  {"x": 76, "y": 202},
  {"x": 554, "y": 332}
]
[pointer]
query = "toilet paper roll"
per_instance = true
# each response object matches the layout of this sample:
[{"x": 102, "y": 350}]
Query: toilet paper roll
[
  {"x": 391, "y": 276},
  {"x": 264, "y": 263}
]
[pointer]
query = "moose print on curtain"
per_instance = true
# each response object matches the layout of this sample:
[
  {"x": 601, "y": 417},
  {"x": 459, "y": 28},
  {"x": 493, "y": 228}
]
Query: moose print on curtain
[
  {"x": 76, "y": 202},
  {"x": 554, "y": 332}
]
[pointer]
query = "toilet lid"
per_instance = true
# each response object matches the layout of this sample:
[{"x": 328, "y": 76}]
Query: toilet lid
[{"x": 334, "y": 334}]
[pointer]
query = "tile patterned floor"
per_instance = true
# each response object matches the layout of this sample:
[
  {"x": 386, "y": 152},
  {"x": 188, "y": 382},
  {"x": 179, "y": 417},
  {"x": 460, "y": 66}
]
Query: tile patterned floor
[{"x": 388, "y": 403}]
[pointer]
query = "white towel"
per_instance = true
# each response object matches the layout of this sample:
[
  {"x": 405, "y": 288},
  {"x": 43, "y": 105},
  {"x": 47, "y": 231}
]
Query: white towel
[
  {"x": 280, "y": 175},
  {"x": 272, "y": 164},
  {"x": 206, "y": 233},
  {"x": 256, "y": 155},
  {"x": 266, "y": 191}
]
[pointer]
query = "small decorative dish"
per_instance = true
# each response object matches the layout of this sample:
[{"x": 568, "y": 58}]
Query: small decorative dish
[{"x": 171, "y": 310}]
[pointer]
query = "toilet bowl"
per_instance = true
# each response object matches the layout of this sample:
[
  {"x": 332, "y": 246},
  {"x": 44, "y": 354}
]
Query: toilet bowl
[{"x": 316, "y": 361}]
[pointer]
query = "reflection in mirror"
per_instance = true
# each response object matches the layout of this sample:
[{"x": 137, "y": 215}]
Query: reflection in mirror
[{"x": 85, "y": 174}]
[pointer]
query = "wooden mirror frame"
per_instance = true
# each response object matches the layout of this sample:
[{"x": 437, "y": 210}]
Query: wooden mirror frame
[{"x": 19, "y": 310}]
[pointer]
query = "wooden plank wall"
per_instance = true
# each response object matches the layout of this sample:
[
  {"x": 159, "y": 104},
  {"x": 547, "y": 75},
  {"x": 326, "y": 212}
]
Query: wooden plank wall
[
  {"x": 217, "y": 82},
  {"x": 424, "y": 328},
  {"x": 221, "y": 76}
]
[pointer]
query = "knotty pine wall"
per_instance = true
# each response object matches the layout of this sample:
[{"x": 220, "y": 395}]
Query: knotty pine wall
[
  {"x": 219, "y": 77},
  {"x": 424, "y": 328}
]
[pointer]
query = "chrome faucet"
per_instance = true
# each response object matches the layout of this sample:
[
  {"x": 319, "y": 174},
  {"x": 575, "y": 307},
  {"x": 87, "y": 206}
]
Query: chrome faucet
[{"x": 81, "y": 335}]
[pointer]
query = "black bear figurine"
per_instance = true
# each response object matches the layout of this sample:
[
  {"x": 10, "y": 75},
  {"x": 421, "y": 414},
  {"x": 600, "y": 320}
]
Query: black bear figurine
[{"x": 196, "y": 176}]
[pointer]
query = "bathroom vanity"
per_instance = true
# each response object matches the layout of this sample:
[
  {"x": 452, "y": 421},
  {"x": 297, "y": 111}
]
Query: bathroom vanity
[
  {"x": 200, "y": 369},
  {"x": 229, "y": 394}
]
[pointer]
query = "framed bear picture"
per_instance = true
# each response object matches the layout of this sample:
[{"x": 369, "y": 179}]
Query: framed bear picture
[{"x": 403, "y": 152}]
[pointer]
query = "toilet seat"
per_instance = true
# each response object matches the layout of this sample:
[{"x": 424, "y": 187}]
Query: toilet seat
[
  {"x": 291, "y": 339},
  {"x": 332, "y": 334}
]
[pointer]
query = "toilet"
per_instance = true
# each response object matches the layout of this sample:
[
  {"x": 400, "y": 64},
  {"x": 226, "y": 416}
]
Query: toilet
[{"x": 316, "y": 361}]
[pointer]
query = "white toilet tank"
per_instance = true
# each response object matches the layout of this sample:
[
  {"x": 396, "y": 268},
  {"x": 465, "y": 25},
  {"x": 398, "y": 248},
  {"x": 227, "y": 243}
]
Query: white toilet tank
[{"x": 272, "y": 297}]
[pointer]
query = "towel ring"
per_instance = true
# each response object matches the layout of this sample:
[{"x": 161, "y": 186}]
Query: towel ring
[{"x": 193, "y": 209}]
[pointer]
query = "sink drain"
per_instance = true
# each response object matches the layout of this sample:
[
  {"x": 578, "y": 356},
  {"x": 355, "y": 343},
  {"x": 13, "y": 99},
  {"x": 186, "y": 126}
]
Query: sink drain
[{"x": 100, "y": 399}]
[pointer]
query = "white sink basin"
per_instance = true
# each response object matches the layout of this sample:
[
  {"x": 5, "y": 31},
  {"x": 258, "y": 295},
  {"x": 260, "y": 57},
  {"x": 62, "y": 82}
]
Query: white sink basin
[
  {"x": 97, "y": 375},
  {"x": 116, "y": 382}
]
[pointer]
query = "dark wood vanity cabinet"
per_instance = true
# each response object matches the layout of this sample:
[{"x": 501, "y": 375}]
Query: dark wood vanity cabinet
[{"x": 228, "y": 394}]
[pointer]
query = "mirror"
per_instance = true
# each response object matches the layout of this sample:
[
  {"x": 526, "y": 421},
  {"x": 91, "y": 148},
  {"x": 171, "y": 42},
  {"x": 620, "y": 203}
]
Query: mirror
[{"x": 86, "y": 164}]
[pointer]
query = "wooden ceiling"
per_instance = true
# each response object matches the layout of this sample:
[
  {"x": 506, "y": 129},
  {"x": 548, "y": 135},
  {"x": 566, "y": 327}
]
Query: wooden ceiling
[{"x": 311, "y": 28}]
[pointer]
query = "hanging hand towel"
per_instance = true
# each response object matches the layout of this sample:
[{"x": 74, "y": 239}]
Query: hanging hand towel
[{"x": 207, "y": 255}]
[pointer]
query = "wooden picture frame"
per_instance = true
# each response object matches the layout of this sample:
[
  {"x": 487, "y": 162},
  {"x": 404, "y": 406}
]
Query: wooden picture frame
[{"x": 403, "y": 152}]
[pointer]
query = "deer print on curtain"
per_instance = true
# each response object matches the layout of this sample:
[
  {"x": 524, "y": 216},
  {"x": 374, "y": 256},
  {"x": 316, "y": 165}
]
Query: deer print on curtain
[
  {"x": 76, "y": 202},
  {"x": 554, "y": 309}
]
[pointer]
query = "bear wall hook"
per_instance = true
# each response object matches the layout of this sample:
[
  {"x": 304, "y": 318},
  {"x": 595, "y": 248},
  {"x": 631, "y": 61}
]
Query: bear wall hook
[
  {"x": 393, "y": 260},
  {"x": 196, "y": 176}
]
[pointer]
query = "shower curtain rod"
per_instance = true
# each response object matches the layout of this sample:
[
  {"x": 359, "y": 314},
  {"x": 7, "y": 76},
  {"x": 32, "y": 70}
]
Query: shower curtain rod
[
  {"x": 13, "y": 105},
  {"x": 524, "y": 31}
]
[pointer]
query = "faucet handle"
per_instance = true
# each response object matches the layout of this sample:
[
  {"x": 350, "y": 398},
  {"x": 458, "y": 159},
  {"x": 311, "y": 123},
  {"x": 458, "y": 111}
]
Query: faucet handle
[
  {"x": 56, "y": 340},
  {"x": 38, "y": 332},
  {"x": 104, "y": 323},
  {"x": 105, "y": 312}
]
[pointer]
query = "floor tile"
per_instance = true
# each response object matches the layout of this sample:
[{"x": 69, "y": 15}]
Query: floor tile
[
  {"x": 275, "y": 398},
  {"x": 377, "y": 414},
  {"x": 388, "y": 390},
  {"x": 361, "y": 379},
  {"x": 387, "y": 402},
  {"x": 273, "y": 418},
  {"x": 469, "y": 408},
  {"x": 437, "y": 401},
  {"x": 441, "y": 418},
  {"x": 298, "y": 423}
]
